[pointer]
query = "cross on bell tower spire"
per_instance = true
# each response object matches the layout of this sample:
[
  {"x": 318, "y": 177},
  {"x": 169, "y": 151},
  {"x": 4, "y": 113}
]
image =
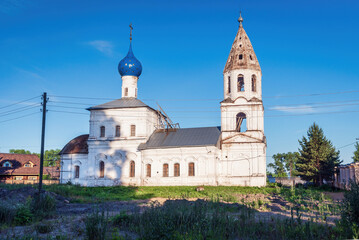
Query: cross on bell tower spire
[
  {"x": 131, "y": 28},
  {"x": 240, "y": 19}
]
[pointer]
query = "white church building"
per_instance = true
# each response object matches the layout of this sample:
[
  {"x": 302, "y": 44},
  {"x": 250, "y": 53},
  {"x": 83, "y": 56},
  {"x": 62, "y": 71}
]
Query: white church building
[{"x": 131, "y": 143}]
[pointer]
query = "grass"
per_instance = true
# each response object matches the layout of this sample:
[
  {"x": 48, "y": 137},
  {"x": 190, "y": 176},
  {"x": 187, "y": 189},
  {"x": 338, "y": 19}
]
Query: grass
[
  {"x": 123, "y": 193},
  {"x": 181, "y": 219}
]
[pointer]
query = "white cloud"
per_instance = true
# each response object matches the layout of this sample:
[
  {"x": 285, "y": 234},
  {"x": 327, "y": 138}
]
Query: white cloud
[
  {"x": 106, "y": 47},
  {"x": 296, "y": 109}
]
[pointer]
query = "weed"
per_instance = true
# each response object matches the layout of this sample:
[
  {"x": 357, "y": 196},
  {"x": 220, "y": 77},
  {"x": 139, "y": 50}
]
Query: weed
[
  {"x": 121, "y": 220},
  {"x": 7, "y": 213},
  {"x": 350, "y": 211},
  {"x": 43, "y": 206},
  {"x": 23, "y": 215},
  {"x": 44, "y": 228},
  {"x": 96, "y": 225}
]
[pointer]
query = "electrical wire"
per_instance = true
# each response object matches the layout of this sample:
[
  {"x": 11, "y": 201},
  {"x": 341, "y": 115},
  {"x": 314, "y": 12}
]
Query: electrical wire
[
  {"x": 19, "y": 117},
  {"x": 24, "y": 109},
  {"x": 278, "y": 96},
  {"x": 19, "y": 102}
]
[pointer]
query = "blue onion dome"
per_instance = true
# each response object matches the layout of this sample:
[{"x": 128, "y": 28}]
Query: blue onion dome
[{"x": 130, "y": 66}]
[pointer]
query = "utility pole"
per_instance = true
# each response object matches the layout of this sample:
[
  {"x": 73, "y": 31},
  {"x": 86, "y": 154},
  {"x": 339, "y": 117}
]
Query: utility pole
[{"x": 44, "y": 101}]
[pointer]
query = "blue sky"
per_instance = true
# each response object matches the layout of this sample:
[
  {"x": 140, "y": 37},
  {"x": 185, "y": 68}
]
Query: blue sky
[{"x": 72, "y": 48}]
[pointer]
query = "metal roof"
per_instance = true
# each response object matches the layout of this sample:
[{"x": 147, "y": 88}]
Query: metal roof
[
  {"x": 121, "y": 103},
  {"x": 182, "y": 137}
]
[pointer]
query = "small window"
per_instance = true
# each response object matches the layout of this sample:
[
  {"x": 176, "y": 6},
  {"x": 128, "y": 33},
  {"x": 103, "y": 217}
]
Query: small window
[
  {"x": 240, "y": 83},
  {"x": 229, "y": 84},
  {"x": 7, "y": 164},
  {"x": 240, "y": 45},
  {"x": 132, "y": 169},
  {"x": 254, "y": 83},
  {"x": 18, "y": 177},
  {"x": 148, "y": 170},
  {"x": 102, "y": 131},
  {"x": 176, "y": 170},
  {"x": 118, "y": 131},
  {"x": 32, "y": 178},
  {"x": 165, "y": 170},
  {"x": 241, "y": 123},
  {"x": 250, "y": 57},
  {"x": 77, "y": 171},
  {"x": 126, "y": 92},
  {"x": 191, "y": 169},
  {"x": 27, "y": 165},
  {"x": 240, "y": 56},
  {"x": 133, "y": 130},
  {"x": 102, "y": 169}
]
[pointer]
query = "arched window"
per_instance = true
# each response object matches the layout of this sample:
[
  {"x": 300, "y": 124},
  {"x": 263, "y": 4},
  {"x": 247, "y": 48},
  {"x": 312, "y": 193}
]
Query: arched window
[
  {"x": 133, "y": 130},
  {"x": 191, "y": 169},
  {"x": 241, "y": 122},
  {"x": 132, "y": 169},
  {"x": 254, "y": 83},
  {"x": 240, "y": 83},
  {"x": 102, "y": 169},
  {"x": 240, "y": 56},
  {"x": 102, "y": 131},
  {"x": 118, "y": 131},
  {"x": 165, "y": 170},
  {"x": 7, "y": 164},
  {"x": 126, "y": 92},
  {"x": 148, "y": 170},
  {"x": 77, "y": 171},
  {"x": 176, "y": 170},
  {"x": 229, "y": 84}
]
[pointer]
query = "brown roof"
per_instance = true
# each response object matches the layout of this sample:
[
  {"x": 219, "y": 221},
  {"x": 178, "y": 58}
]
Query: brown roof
[
  {"x": 76, "y": 145},
  {"x": 52, "y": 171},
  {"x": 242, "y": 46},
  {"x": 17, "y": 164}
]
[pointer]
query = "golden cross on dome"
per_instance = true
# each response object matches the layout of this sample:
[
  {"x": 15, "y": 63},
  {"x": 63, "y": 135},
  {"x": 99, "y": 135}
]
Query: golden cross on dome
[{"x": 131, "y": 28}]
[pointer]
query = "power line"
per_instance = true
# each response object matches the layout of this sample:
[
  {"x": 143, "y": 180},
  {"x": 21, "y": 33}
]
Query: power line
[
  {"x": 217, "y": 99},
  {"x": 19, "y": 117},
  {"x": 68, "y": 112},
  {"x": 19, "y": 108},
  {"x": 19, "y": 102},
  {"x": 24, "y": 109},
  {"x": 347, "y": 145}
]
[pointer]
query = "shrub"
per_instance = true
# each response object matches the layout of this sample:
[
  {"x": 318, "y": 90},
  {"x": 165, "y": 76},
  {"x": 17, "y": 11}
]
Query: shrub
[
  {"x": 23, "y": 215},
  {"x": 96, "y": 225},
  {"x": 350, "y": 211}
]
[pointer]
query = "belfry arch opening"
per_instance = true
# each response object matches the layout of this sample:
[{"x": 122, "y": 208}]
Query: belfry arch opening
[
  {"x": 241, "y": 122},
  {"x": 254, "y": 83},
  {"x": 240, "y": 83}
]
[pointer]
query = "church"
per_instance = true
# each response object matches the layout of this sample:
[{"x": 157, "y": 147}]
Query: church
[{"x": 131, "y": 143}]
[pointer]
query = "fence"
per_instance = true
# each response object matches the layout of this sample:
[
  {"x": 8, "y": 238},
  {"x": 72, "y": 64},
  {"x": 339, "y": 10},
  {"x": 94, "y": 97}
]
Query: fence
[{"x": 46, "y": 182}]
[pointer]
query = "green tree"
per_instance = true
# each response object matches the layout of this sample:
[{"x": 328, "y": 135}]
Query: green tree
[
  {"x": 278, "y": 166},
  {"x": 318, "y": 157},
  {"x": 19, "y": 151},
  {"x": 291, "y": 159},
  {"x": 356, "y": 153},
  {"x": 284, "y": 164},
  {"x": 51, "y": 157}
]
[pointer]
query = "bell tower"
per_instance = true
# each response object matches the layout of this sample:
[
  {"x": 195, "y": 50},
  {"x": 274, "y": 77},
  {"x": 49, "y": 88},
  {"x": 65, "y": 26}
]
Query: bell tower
[
  {"x": 130, "y": 70},
  {"x": 243, "y": 141}
]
